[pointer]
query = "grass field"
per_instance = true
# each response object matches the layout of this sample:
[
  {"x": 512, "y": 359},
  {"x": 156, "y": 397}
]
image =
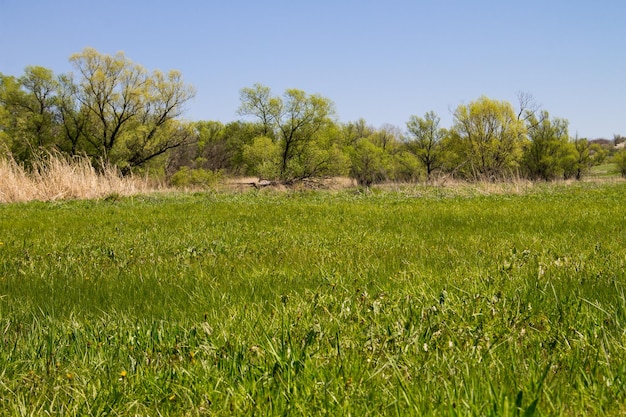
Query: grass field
[{"x": 418, "y": 301}]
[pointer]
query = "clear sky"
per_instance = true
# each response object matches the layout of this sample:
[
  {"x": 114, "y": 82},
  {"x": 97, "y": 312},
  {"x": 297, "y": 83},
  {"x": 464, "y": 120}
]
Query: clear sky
[{"x": 379, "y": 60}]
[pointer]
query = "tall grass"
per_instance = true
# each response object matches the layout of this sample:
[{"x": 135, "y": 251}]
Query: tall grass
[{"x": 54, "y": 177}]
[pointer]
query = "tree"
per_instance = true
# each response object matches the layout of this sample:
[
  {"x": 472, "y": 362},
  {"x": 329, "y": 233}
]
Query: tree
[
  {"x": 5, "y": 138},
  {"x": 387, "y": 137},
  {"x": 41, "y": 84},
  {"x": 258, "y": 101},
  {"x": 376, "y": 155},
  {"x": 424, "y": 141},
  {"x": 492, "y": 136},
  {"x": 9, "y": 124},
  {"x": 131, "y": 112},
  {"x": 527, "y": 106},
  {"x": 548, "y": 139},
  {"x": 577, "y": 159},
  {"x": 29, "y": 103},
  {"x": 294, "y": 120},
  {"x": 235, "y": 136},
  {"x": 369, "y": 162},
  {"x": 216, "y": 147},
  {"x": 353, "y": 131},
  {"x": 74, "y": 118},
  {"x": 211, "y": 153}
]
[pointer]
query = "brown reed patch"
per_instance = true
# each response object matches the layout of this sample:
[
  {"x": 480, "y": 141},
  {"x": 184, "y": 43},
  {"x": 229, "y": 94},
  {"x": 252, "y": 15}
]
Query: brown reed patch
[{"x": 54, "y": 177}]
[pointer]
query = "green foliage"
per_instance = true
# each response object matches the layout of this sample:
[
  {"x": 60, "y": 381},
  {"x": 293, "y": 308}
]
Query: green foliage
[
  {"x": 377, "y": 155},
  {"x": 577, "y": 159},
  {"x": 620, "y": 160},
  {"x": 545, "y": 156},
  {"x": 296, "y": 120},
  {"x": 425, "y": 141},
  {"x": 115, "y": 111},
  {"x": 262, "y": 157},
  {"x": 133, "y": 111},
  {"x": 369, "y": 162},
  {"x": 217, "y": 147},
  {"x": 490, "y": 135},
  {"x": 28, "y": 116},
  {"x": 598, "y": 154},
  {"x": 429, "y": 301},
  {"x": 407, "y": 167},
  {"x": 195, "y": 178},
  {"x": 353, "y": 131}
]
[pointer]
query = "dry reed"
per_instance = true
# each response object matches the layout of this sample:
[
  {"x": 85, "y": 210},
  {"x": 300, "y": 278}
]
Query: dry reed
[{"x": 55, "y": 177}]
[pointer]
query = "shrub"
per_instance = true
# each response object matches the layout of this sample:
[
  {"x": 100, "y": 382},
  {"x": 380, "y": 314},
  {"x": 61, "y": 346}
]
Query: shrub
[
  {"x": 195, "y": 178},
  {"x": 620, "y": 161}
]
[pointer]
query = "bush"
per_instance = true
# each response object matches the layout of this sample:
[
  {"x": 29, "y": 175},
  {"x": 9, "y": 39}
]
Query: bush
[
  {"x": 620, "y": 161},
  {"x": 195, "y": 178}
]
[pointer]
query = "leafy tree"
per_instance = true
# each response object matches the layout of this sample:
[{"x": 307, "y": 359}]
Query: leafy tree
[
  {"x": 131, "y": 112},
  {"x": 375, "y": 155},
  {"x": 387, "y": 137},
  {"x": 235, "y": 136},
  {"x": 398, "y": 164},
  {"x": 369, "y": 162},
  {"x": 577, "y": 160},
  {"x": 547, "y": 147},
  {"x": 216, "y": 147},
  {"x": 9, "y": 89},
  {"x": 196, "y": 178},
  {"x": 74, "y": 119},
  {"x": 41, "y": 85},
  {"x": 258, "y": 101},
  {"x": 29, "y": 106},
  {"x": 5, "y": 138},
  {"x": 491, "y": 135},
  {"x": 405, "y": 166},
  {"x": 203, "y": 151},
  {"x": 115, "y": 111},
  {"x": 324, "y": 156},
  {"x": 351, "y": 132},
  {"x": 294, "y": 121},
  {"x": 425, "y": 141}
]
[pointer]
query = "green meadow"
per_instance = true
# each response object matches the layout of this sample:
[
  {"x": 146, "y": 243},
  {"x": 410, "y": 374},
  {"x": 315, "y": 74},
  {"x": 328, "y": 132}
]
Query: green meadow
[{"x": 414, "y": 301}]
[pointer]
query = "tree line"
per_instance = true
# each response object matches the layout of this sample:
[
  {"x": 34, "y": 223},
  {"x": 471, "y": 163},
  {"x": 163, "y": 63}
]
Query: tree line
[{"x": 117, "y": 113}]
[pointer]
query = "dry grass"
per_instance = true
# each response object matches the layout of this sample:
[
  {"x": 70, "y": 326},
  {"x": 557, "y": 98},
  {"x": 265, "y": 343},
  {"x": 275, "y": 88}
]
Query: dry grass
[
  {"x": 454, "y": 187},
  {"x": 57, "y": 178},
  {"x": 459, "y": 187}
]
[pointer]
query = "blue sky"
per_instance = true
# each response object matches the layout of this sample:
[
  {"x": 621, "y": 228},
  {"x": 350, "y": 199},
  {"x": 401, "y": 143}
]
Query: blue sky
[{"x": 378, "y": 60}]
